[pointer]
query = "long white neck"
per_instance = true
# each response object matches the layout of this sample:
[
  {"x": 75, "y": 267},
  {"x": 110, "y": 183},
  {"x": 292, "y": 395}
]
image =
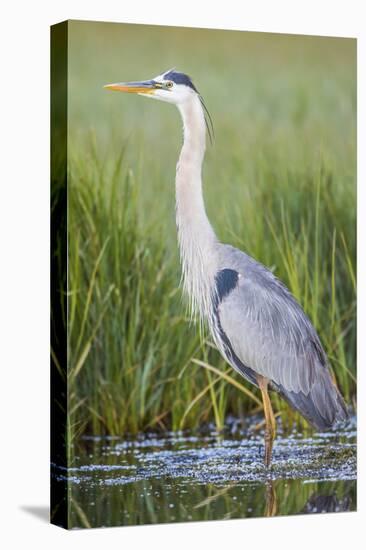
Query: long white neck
[{"x": 195, "y": 235}]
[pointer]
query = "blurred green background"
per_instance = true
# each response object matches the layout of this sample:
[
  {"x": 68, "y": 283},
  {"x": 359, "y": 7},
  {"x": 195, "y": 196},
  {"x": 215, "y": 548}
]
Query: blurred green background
[{"x": 279, "y": 182}]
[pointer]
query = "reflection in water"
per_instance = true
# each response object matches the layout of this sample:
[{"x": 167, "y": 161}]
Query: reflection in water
[
  {"x": 189, "y": 477},
  {"x": 326, "y": 503},
  {"x": 271, "y": 499}
]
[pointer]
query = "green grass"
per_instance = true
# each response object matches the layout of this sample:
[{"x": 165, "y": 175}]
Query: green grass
[{"x": 279, "y": 183}]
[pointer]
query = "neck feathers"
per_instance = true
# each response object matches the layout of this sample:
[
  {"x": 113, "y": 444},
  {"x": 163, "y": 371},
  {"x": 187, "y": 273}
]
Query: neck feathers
[{"x": 195, "y": 234}]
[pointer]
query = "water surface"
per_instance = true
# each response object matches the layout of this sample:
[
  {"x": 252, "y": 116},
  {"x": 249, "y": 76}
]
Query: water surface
[{"x": 182, "y": 476}]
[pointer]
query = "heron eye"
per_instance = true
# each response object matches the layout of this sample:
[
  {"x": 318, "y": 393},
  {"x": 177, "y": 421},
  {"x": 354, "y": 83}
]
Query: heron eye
[{"x": 169, "y": 84}]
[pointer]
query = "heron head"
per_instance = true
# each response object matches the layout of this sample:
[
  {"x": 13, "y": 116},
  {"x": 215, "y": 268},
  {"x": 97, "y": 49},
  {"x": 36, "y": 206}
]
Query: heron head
[{"x": 170, "y": 86}]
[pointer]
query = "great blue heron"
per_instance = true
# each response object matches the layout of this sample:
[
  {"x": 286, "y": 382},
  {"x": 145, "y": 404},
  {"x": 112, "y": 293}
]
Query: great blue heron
[{"x": 256, "y": 323}]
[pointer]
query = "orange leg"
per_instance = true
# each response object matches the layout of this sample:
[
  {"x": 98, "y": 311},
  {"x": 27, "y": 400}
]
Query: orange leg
[{"x": 270, "y": 430}]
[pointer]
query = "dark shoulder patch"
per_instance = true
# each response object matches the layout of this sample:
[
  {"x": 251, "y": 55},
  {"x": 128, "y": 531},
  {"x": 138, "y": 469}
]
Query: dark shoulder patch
[{"x": 226, "y": 281}]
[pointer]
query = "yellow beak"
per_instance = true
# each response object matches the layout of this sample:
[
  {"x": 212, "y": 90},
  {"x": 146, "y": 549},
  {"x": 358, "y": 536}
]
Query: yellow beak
[{"x": 143, "y": 87}]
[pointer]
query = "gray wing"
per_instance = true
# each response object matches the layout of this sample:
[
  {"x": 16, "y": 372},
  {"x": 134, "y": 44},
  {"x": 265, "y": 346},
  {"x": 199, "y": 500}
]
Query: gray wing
[{"x": 270, "y": 333}]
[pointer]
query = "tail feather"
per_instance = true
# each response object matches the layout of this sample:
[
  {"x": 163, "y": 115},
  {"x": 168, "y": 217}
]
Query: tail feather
[{"x": 323, "y": 406}]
